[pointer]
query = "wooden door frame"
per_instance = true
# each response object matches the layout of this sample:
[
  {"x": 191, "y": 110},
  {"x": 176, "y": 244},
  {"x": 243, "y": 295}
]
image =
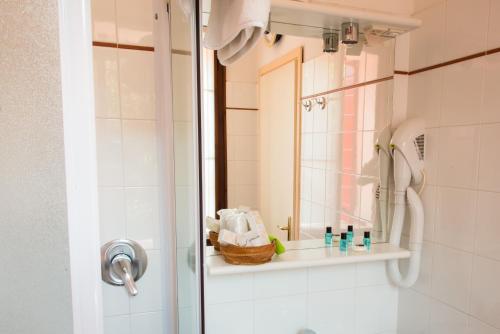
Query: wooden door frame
[
  {"x": 296, "y": 57},
  {"x": 220, "y": 135}
]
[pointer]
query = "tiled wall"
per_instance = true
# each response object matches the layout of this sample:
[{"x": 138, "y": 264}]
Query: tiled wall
[
  {"x": 337, "y": 299},
  {"x": 458, "y": 290},
  {"x": 242, "y": 121},
  {"x": 339, "y": 168},
  {"x": 127, "y": 156}
]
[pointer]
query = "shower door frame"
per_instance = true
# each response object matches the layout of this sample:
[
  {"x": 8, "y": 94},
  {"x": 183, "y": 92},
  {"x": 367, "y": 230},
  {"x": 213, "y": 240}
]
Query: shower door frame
[{"x": 77, "y": 84}]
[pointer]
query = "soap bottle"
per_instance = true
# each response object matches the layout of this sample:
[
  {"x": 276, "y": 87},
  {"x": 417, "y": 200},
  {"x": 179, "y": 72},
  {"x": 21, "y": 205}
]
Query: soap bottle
[
  {"x": 343, "y": 242},
  {"x": 367, "y": 241},
  {"x": 328, "y": 236},
  {"x": 350, "y": 234}
]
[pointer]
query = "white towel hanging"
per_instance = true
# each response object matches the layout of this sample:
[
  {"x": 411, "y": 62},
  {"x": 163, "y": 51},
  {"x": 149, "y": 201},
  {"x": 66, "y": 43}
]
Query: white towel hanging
[{"x": 235, "y": 26}]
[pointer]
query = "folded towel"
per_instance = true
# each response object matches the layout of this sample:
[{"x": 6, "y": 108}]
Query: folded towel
[{"x": 235, "y": 26}]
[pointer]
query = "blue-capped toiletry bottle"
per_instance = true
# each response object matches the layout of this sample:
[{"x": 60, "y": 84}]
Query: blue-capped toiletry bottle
[
  {"x": 350, "y": 234},
  {"x": 328, "y": 236},
  {"x": 343, "y": 242},
  {"x": 367, "y": 241}
]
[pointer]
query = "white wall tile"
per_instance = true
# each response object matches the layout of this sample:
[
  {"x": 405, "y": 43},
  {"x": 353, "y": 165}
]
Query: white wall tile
[
  {"x": 485, "y": 293},
  {"x": 112, "y": 222},
  {"x": 354, "y": 69},
  {"x": 413, "y": 312},
  {"x": 318, "y": 179},
  {"x": 135, "y": 22},
  {"x": 146, "y": 323},
  {"x": 320, "y": 122},
  {"x": 489, "y": 164},
  {"x": 117, "y": 325},
  {"x": 229, "y": 318},
  {"x": 455, "y": 218},
  {"x": 446, "y": 320},
  {"x": 230, "y": 288},
  {"x": 425, "y": 95},
  {"x": 140, "y": 157},
  {"x": 182, "y": 98},
  {"x": 321, "y": 73},
  {"x": 335, "y": 72},
  {"x": 187, "y": 321},
  {"x": 332, "y": 278},
  {"x": 424, "y": 282},
  {"x": 376, "y": 309},
  {"x": 181, "y": 28},
  {"x": 487, "y": 243},
  {"x": 185, "y": 277},
  {"x": 109, "y": 152},
  {"x": 462, "y": 92},
  {"x": 242, "y": 172},
  {"x": 104, "y": 20},
  {"x": 184, "y": 153},
  {"x": 150, "y": 286},
  {"x": 379, "y": 60},
  {"x": 458, "y": 153},
  {"x": 137, "y": 89},
  {"x": 319, "y": 150},
  {"x": 431, "y": 161},
  {"x": 242, "y": 148},
  {"x": 460, "y": 39},
  {"x": 477, "y": 327},
  {"x": 335, "y": 103},
  {"x": 142, "y": 210},
  {"x": 378, "y": 106},
  {"x": 331, "y": 311},
  {"x": 429, "y": 199},
  {"x": 308, "y": 78},
  {"x": 451, "y": 274},
  {"x": 106, "y": 84},
  {"x": 427, "y": 42},
  {"x": 242, "y": 122},
  {"x": 371, "y": 273},
  {"x": 292, "y": 315},
  {"x": 115, "y": 300},
  {"x": 241, "y": 95},
  {"x": 491, "y": 103},
  {"x": 272, "y": 283},
  {"x": 184, "y": 216},
  {"x": 494, "y": 25},
  {"x": 353, "y": 107}
]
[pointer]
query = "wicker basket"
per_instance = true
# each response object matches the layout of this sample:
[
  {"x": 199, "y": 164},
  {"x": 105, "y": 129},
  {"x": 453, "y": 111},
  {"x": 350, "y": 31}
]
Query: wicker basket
[
  {"x": 214, "y": 240},
  {"x": 248, "y": 255}
]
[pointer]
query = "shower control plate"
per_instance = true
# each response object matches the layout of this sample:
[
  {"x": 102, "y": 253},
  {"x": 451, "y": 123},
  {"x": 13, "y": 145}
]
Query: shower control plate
[{"x": 122, "y": 249}]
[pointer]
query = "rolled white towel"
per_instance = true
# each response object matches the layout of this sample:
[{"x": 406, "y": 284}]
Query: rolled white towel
[{"x": 235, "y": 26}]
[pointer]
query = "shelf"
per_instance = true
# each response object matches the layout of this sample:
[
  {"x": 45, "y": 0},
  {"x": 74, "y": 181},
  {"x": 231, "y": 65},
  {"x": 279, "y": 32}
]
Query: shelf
[{"x": 306, "y": 258}]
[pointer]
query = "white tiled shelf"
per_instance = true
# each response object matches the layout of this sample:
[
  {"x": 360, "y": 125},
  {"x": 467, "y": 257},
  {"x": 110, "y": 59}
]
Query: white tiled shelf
[{"x": 306, "y": 258}]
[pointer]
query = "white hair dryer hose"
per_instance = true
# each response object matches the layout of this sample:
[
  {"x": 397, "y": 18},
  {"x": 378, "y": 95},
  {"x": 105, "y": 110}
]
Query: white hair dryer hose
[
  {"x": 407, "y": 151},
  {"x": 416, "y": 237}
]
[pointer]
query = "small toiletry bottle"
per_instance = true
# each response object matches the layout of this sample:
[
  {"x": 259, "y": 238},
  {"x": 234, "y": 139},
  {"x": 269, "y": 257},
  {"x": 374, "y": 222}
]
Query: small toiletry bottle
[
  {"x": 350, "y": 234},
  {"x": 328, "y": 236},
  {"x": 367, "y": 241},
  {"x": 343, "y": 242}
]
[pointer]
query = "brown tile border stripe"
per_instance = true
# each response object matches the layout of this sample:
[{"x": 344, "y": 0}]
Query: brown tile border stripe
[
  {"x": 366, "y": 83},
  {"x": 450, "y": 62},
  {"x": 238, "y": 108},
  {"x": 181, "y": 52},
  {"x": 123, "y": 46}
]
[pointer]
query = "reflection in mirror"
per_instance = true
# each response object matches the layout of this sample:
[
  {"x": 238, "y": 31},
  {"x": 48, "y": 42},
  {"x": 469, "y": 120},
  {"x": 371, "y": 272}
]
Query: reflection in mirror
[{"x": 301, "y": 136}]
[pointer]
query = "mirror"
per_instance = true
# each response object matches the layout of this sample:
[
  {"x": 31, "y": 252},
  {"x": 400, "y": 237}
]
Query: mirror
[{"x": 292, "y": 132}]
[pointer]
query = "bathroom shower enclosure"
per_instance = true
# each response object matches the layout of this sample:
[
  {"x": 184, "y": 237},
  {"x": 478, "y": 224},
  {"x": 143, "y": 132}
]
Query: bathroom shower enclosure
[{"x": 131, "y": 143}]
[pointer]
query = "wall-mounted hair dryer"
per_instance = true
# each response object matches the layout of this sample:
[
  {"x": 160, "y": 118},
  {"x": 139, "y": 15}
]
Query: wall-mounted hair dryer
[{"x": 407, "y": 150}]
